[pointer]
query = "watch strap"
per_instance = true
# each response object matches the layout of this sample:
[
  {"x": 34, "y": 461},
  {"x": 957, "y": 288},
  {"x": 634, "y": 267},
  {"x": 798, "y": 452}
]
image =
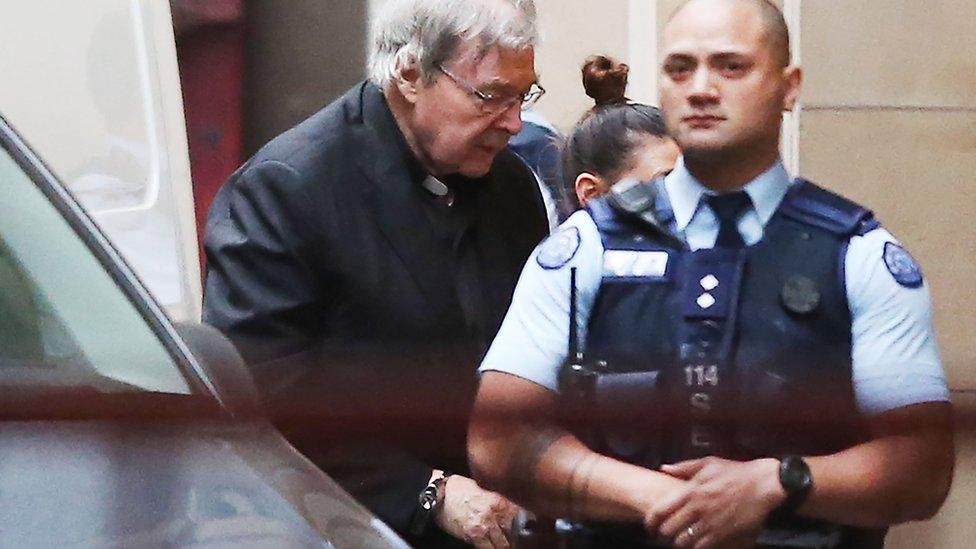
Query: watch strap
[{"x": 428, "y": 501}]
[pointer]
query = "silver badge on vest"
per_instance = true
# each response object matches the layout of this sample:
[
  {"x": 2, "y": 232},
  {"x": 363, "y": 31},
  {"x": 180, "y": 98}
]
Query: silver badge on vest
[{"x": 800, "y": 295}]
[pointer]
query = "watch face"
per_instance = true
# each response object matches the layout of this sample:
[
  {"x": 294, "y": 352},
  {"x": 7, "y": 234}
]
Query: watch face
[
  {"x": 428, "y": 497},
  {"x": 794, "y": 474}
]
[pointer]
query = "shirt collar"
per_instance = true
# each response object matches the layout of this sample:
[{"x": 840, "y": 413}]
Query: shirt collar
[{"x": 685, "y": 192}]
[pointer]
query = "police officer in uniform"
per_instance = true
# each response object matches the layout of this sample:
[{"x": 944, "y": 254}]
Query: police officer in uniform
[{"x": 757, "y": 364}]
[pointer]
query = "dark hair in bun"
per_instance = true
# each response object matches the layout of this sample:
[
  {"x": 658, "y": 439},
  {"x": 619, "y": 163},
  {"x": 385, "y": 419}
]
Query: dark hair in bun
[
  {"x": 604, "y": 140},
  {"x": 605, "y": 80}
]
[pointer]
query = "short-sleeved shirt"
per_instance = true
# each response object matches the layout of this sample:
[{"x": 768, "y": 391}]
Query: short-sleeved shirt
[{"x": 894, "y": 352}]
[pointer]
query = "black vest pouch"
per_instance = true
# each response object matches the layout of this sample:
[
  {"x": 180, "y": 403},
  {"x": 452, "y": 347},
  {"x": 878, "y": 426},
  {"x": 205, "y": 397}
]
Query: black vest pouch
[
  {"x": 621, "y": 413},
  {"x": 630, "y": 409}
]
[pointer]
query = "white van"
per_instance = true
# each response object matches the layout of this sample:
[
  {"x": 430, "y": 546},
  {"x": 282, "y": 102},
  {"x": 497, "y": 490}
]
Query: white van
[{"x": 93, "y": 86}]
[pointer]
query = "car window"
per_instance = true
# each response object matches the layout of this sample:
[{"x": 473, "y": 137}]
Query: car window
[{"x": 64, "y": 322}]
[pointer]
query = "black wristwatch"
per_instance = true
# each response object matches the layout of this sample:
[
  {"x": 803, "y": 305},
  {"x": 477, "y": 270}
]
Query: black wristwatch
[
  {"x": 429, "y": 500},
  {"x": 795, "y": 477}
]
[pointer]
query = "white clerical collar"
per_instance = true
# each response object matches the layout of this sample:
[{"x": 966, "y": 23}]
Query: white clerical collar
[
  {"x": 435, "y": 186},
  {"x": 439, "y": 189},
  {"x": 685, "y": 192}
]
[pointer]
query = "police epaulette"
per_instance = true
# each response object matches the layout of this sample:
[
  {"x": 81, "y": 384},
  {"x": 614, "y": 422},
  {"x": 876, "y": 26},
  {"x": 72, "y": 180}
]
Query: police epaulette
[{"x": 813, "y": 205}]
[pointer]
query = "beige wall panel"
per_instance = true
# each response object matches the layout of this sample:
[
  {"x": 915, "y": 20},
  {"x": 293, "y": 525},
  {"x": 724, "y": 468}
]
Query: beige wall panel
[
  {"x": 572, "y": 30},
  {"x": 916, "y": 171},
  {"x": 889, "y": 52},
  {"x": 953, "y": 527}
]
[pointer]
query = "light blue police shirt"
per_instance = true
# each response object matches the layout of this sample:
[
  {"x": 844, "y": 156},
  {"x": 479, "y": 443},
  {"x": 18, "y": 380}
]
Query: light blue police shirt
[{"x": 895, "y": 355}]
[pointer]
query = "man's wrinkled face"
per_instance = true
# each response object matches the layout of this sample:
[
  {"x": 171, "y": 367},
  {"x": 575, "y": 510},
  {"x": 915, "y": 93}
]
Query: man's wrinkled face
[
  {"x": 721, "y": 88},
  {"x": 451, "y": 124}
]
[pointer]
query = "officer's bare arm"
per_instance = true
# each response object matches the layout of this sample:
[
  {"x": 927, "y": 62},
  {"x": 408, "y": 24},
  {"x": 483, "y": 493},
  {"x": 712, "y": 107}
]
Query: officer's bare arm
[
  {"x": 516, "y": 447},
  {"x": 902, "y": 474}
]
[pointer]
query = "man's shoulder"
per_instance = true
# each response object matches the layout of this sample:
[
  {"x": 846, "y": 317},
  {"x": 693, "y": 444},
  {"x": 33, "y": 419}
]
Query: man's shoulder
[
  {"x": 324, "y": 135},
  {"x": 306, "y": 159}
]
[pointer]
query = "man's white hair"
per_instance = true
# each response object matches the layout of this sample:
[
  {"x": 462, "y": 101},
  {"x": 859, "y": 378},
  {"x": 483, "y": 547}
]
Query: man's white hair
[{"x": 426, "y": 33}]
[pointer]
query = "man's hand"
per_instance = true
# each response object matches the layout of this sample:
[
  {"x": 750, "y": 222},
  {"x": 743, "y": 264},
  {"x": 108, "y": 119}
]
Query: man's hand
[
  {"x": 724, "y": 503},
  {"x": 475, "y": 515}
]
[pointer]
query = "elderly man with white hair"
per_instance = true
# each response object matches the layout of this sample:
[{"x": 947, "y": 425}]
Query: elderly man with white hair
[{"x": 362, "y": 260}]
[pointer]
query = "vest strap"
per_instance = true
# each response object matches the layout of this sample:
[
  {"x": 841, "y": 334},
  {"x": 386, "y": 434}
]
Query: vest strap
[{"x": 813, "y": 205}]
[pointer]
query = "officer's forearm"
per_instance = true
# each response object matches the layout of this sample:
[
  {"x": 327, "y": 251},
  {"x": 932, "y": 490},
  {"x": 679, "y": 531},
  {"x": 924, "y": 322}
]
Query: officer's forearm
[
  {"x": 575, "y": 482},
  {"x": 516, "y": 447},
  {"x": 901, "y": 475}
]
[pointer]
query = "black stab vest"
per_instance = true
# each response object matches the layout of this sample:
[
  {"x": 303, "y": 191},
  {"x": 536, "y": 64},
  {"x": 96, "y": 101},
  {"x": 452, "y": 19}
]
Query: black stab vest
[{"x": 733, "y": 353}]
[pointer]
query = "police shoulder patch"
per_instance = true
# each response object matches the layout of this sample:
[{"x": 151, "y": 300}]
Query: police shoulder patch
[
  {"x": 902, "y": 266},
  {"x": 556, "y": 250}
]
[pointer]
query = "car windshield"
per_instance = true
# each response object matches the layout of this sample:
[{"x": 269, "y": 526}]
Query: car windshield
[{"x": 65, "y": 324}]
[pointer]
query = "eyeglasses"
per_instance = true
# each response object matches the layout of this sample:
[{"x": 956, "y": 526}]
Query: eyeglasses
[{"x": 493, "y": 103}]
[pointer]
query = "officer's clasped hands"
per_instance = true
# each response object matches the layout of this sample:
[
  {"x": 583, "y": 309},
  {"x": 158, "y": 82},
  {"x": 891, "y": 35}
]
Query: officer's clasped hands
[{"x": 723, "y": 505}]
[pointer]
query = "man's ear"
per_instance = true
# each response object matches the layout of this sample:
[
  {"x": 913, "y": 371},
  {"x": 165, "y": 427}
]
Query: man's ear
[
  {"x": 793, "y": 77},
  {"x": 408, "y": 79},
  {"x": 588, "y": 187}
]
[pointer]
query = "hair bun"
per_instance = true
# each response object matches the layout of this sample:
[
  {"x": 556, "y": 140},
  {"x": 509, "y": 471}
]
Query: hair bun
[{"x": 605, "y": 79}]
